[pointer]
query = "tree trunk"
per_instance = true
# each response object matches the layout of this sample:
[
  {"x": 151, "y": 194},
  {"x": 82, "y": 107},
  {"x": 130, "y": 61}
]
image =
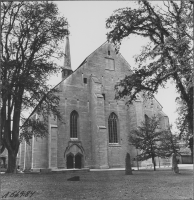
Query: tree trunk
[
  {"x": 191, "y": 144},
  {"x": 153, "y": 161},
  {"x": 12, "y": 159},
  {"x": 192, "y": 155}
]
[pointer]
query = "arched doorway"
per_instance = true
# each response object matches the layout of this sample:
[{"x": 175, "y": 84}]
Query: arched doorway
[
  {"x": 74, "y": 156},
  {"x": 70, "y": 162},
  {"x": 78, "y": 161}
]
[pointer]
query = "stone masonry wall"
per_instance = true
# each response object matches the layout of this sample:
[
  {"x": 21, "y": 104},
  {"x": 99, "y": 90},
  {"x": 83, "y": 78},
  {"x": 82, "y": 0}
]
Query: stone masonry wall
[
  {"x": 94, "y": 101},
  {"x": 74, "y": 96}
]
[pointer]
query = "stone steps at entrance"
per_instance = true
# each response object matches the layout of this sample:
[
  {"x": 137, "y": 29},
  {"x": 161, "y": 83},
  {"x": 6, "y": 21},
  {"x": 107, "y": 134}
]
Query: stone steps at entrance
[{"x": 70, "y": 170}]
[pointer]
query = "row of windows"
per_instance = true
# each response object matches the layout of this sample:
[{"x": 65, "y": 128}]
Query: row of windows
[{"x": 112, "y": 126}]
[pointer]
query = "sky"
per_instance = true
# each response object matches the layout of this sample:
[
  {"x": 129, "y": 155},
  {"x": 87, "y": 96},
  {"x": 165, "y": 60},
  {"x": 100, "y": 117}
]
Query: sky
[{"x": 88, "y": 31}]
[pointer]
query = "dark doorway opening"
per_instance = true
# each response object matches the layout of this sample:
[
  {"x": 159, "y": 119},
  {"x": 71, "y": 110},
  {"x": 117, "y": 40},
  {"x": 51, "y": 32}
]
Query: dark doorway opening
[
  {"x": 70, "y": 161},
  {"x": 78, "y": 161}
]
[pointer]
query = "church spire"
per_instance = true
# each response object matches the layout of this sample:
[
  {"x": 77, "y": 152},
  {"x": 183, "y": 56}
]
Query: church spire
[
  {"x": 66, "y": 71},
  {"x": 67, "y": 58}
]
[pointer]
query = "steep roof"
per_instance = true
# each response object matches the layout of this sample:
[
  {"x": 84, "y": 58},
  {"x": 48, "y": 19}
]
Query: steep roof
[{"x": 68, "y": 66}]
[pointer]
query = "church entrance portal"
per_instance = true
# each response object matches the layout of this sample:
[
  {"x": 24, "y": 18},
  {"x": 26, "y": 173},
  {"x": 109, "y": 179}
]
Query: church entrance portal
[
  {"x": 78, "y": 161},
  {"x": 74, "y": 161},
  {"x": 70, "y": 161}
]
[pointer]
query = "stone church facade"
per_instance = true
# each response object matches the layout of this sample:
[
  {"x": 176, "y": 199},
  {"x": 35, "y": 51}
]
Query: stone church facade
[{"x": 95, "y": 127}]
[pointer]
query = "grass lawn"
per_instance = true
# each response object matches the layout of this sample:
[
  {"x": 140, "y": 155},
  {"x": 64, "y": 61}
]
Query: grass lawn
[{"x": 95, "y": 185}]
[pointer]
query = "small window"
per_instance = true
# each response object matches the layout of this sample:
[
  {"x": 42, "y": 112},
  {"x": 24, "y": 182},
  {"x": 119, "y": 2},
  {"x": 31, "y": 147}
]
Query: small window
[
  {"x": 103, "y": 96},
  {"x": 108, "y": 52},
  {"x": 85, "y": 80}
]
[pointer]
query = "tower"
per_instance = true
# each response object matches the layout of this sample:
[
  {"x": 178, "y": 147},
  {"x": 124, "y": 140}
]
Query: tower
[{"x": 66, "y": 71}]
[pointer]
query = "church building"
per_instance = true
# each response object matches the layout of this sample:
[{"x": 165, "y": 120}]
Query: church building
[{"x": 95, "y": 127}]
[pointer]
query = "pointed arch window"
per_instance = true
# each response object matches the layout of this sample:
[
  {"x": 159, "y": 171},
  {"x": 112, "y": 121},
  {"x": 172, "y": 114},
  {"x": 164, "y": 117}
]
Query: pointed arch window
[
  {"x": 74, "y": 124},
  {"x": 113, "y": 128}
]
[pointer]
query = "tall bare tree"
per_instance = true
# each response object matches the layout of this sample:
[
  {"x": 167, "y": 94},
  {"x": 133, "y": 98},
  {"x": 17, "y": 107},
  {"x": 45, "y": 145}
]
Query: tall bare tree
[
  {"x": 169, "y": 55},
  {"x": 31, "y": 33}
]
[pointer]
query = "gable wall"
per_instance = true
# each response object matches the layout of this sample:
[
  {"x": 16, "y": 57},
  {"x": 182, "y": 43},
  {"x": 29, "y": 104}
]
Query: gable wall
[
  {"x": 78, "y": 96},
  {"x": 94, "y": 111}
]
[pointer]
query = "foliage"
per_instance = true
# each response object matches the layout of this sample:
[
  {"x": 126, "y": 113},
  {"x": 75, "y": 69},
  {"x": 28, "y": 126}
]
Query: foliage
[
  {"x": 168, "y": 56},
  {"x": 152, "y": 141},
  {"x": 169, "y": 144},
  {"x": 37, "y": 123},
  {"x": 147, "y": 139},
  {"x": 31, "y": 34},
  {"x": 182, "y": 121}
]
